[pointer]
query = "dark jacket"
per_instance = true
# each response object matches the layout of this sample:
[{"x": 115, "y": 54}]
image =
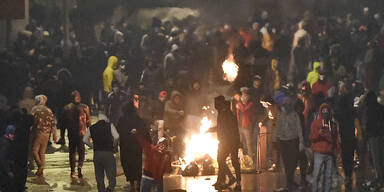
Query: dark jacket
[
  {"x": 374, "y": 116},
  {"x": 6, "y": 162},
  {"x": 102, "y": 136},
  {"x": 256, "y": 96},
  {"x": 227, "y": 130},
  {"x": 345, "y": 115}
]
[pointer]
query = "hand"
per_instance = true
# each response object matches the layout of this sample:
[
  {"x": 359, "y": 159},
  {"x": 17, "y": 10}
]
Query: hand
[
  {"x": 133, "y": 131},
  {"x": 54, "y": 139},
  {"x": 323, "y": 131}
]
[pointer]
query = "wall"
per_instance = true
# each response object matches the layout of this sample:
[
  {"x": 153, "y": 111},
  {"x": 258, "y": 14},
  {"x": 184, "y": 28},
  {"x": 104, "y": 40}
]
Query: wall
[{"x": 16, "y": 26}]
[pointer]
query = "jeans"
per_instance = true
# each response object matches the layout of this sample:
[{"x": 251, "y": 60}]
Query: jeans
[
  {"x": 148, "y": 184},
  {"x": 246, "y": 137},
  {"x": 105, "y": 164},
  {"x": 323, "y": 167}
]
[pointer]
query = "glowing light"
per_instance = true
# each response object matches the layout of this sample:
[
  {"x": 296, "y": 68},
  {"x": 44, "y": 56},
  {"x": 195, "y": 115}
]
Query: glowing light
[
  {"x": 230, "y": 69},
  {"x": 200, "y": 145}
]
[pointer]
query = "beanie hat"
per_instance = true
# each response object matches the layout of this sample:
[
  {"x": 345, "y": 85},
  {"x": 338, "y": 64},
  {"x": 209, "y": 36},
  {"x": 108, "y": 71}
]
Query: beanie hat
[
  {"x": 162, "y": 93},
  {"x": 11, "y": 129}
]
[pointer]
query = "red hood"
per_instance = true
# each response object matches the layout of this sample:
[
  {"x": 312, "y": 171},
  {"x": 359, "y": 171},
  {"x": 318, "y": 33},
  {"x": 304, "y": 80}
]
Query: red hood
[{"x": 321, "y": 107}]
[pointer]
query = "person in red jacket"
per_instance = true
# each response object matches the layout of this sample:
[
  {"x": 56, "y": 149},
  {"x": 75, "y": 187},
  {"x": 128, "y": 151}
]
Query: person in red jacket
[
  {"x": 157, "y": 162},
  {"x": 245, "y": 117},
  {"x": 325, "y": 144},
  {"x": 322, "y": 85}
]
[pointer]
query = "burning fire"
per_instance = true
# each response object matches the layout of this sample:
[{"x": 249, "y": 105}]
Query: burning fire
[
  {"x": 200, "y": 145},
  {"x": 230, "y": 69}
]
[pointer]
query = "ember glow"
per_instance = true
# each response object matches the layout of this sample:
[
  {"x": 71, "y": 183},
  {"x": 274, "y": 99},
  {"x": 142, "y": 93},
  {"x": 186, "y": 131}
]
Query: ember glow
[
  {"x": 230, "y": 69},
  {"x": 200, "y": 145}
]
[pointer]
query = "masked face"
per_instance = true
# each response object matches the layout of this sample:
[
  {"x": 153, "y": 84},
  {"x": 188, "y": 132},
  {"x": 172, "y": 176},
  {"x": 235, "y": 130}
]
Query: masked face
[
  {"x": 245, "y": 99},
  {"x": 326, "y": 114}
]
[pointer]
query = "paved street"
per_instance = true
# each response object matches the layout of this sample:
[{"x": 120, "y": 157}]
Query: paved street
[{"x": 57, "y": 179}]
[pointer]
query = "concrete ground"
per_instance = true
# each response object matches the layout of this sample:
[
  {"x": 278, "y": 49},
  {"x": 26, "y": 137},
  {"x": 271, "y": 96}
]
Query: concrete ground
[{"x": 56, "y": 178}]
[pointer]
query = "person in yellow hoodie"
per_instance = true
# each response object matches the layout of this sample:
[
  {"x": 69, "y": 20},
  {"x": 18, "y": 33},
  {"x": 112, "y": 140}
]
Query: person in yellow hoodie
[
  {"x": 313, "y": 76},
  {"x": 108, "y": 73}
]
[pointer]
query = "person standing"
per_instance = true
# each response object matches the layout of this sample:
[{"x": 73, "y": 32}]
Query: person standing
[
  {"x": 288, "y": 133},
  {"x": 374, "y": 133},
  {"x": 130, "y": 150},
  {"x": 28, "y": 103},
  {"x": 7, "y": 174},
  {"x": 273, "y": 78},
  {"x": 44, "y": 124},
  {"x": 108, "y": 74},
  {"x": 23, "y": 123},
  {"x": 345, "y": 115},
  {"x": 104, "y": 137},
  {"x": 173, "y": 118},
  {"x": 229, "y": 142},
  {"x": 245, "y": 117},
  {"x": 76, "y": 119},
  {"x": 324, "y": 139}
]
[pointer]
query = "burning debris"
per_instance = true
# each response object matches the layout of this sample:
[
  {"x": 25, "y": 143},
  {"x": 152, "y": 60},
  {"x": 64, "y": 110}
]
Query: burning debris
[
  {"x": 230, "y": 69},
  {"x": 201, "y": 149}
]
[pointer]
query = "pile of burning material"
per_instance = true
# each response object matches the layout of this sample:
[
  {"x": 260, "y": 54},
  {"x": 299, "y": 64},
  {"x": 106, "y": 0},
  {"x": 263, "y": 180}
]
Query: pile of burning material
[
  {"x": 200, "y": 152},
  {"x": 230, "y": 69}
]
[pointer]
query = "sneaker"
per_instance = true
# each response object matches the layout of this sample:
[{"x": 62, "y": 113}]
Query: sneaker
[
  {"x": 231, "y": 182},
  {"x": 219, "y": 186},
  {"x": 73, "y": 175},
  {"x": 39, "y": 172},
  {"x": 61, "y": 141},
  {"x": 79, "y": 174}
]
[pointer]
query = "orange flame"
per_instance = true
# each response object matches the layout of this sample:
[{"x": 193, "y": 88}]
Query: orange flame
[{"x": 230, "y": 69}]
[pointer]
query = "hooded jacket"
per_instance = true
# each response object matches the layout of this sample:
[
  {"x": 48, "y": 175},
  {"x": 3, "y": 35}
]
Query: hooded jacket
[
  {"x": 227, "y": 126},
  {"x": 327, "y": 142},
  {"x": 288, "y": 123},
  {"x": 108, "y": 73},
  {"x": 313, "y": 76},
  {"x": 171, "y": 116}
]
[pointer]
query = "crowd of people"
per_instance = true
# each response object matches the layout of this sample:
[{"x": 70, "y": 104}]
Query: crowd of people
[{"x": 314, "y": 83}]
